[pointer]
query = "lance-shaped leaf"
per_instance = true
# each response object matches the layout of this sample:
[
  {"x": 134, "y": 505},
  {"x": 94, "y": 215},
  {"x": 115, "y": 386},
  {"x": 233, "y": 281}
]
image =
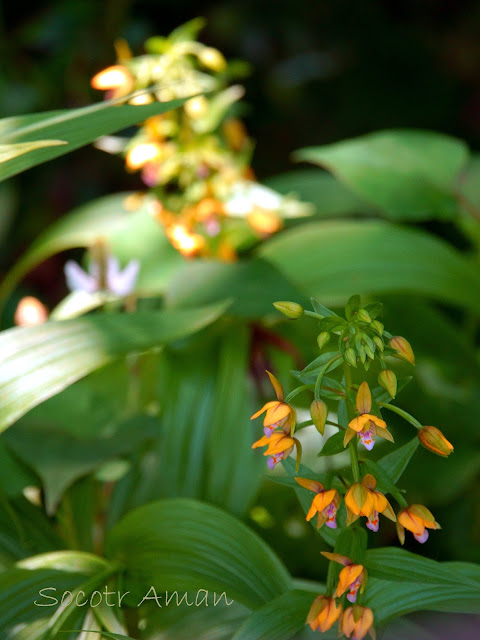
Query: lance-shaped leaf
[
  {"x": 331, "y": 259},
  {"x": 182, "y": 544},
  {"x": 75, "y": 127},
  {"x": 408, "y": 174},
  {"x": 40, "y": 361}
]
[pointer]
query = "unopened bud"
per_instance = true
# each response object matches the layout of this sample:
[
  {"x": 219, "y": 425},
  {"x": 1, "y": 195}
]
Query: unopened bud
[
  {"x": 369, "y": 351},
  {"x": 212, "y": 59},
  {"x": 322, "y": 339},
  {"x": 364, "y": 315},
  {"x": 30, "y": 312},
  {"x": 377, "y": 326},
  {"x": 289, "y": 309},
  {"x": 379, "y": 342},
  {"x": 388, "y": 380},
  {"x": 403, "y": 349},
  {"x": 434, "y": 440},
  {"x": 319, "y": 412},
  {"x": 350, "y": 357}
]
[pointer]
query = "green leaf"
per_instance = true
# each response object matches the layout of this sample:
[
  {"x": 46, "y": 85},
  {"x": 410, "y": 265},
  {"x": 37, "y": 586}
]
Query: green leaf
[
  {"x": 279, "y": 619},
  {"x": 72, "y": 561},
  {"x": 408, "y": 174},
  {"x": 105, "y": 634},
  {"x": 330, "y": 259},
  {"x": 19, "y": 589},
  {"x": 41, "y": 361},
  {"x": 76, "y": 127},
  {"x": 329, "y": 196},
  {"x": 10, "y": 151},
  {"x": 125, "y": 230},
  {"x": 392, "y": 563},
  {"x": 182, "y": 544},
  {"x": 395, "y": 463},
  {"x": 389, "y": 599},
  {"x": 333, "y": 445},
  {"x": 254, "y": 286},
  {"x": 321, "y": 309},
  {"x": 59, "y": 458}
]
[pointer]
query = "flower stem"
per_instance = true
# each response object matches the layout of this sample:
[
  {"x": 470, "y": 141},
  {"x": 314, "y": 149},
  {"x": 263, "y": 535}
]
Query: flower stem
[
  {"x": 403, "y": 414},
  {"x": 352, "y": 447}
]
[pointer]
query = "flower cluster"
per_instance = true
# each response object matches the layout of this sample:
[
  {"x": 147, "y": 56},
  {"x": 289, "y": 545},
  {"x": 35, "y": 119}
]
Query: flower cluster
[
  {"x": 195, "y": 159},
  {"x": 340, "y": 501}
]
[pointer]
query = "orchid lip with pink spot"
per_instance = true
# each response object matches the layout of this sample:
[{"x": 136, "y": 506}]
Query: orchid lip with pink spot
[
  {"x": 367, "y": 438},
  {"x": 421, "y": 538},
  {"x": 354, "y": 587},
  {"x": 330, "y": 513},
  {"x": 373, "y": 521}
]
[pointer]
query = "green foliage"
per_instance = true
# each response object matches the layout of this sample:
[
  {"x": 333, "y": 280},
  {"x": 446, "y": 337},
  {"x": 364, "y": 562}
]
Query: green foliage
[
  {"x": 406, "y": 174},
  {"x": 58, "y": 132}
]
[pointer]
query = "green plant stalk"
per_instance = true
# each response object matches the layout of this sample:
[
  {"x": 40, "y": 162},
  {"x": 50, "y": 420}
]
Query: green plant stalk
[
  {"x": 403, "y": 414},
  {"x": 352, "y": 447}
]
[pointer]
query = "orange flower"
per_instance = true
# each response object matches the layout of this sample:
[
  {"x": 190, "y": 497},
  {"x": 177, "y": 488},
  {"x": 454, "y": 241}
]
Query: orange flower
[
  {"x": 278, "y": 414},
  {"x": 417, "y": 519},
  {"x": 323, "y": 613},
  {"x": 352, "y": 577},
  {"x": 280, "y": 446},
  {"x": 356, "y": 622},
  {"x": 363, "y": 500},
  {"x": 325, "y": 503},
  {"x": 434, "y": 440},
  {"x": 116, "y": 79},
  {"x": 366, "y": 425}
]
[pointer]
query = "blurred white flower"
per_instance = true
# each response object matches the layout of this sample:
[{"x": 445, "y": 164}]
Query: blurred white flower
[
  {"x": 247, "y": 196},
  {"x": 118, "y": 282}
]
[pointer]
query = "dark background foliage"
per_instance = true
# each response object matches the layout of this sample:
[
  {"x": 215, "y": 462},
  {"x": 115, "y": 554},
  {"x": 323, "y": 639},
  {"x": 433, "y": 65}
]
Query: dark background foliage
[{"x": 321, "y": 71}]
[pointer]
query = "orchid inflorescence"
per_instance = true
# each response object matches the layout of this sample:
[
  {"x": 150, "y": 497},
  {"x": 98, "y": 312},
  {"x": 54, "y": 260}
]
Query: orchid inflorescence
[
  {"x": 340, "y": 501},
  {"x": 195, "y": 159}
]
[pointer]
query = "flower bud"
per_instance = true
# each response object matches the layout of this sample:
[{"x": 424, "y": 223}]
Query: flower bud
[
  {"x": 322, "y": 339},
  {"x": 289, "y": 309},
  {"x": 350, "y": 357},
  {"x": 319, "y": 412},
  {"x": 434, "y": 440},
  {"x": 403, "y": 349},
  {"x": 212, "y": 59},
  {"x": 388, "y": 380},
  {"x": 363, "y": 315},
  {"x": 377, "y": 326},
  {"x": 356, "y": 622},
  {"x": 379, "y": 343},
  {"x": 370, "y": 353},
  {"x": 30, "y": 312}
]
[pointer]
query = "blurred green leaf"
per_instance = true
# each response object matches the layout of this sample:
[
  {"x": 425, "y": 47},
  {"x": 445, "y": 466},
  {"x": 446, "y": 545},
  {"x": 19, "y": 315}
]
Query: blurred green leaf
[
  {"x": 129, "y": 230},
  {"x": 182, "y": 544},
  {"x": 409, "y": 174},
  {"x": 254, "y": 285},
  {"x": 19, "y": 589},
  {"x": 396, "y": 564},
  {"x": 280, "y": 619},
  {"x": 330, "y": 197},
  {"x": 333, "y": 445},
  {"x": 332, "y": 259},
  {"x": 41, "y": 361},
  {"x": 389, "y": 599},
  {"x": 10, "y": 151},
  {"x": 77, "y": 127},
  {"x": 59, "y": 458},
  {"x": 105, "y": 634}
]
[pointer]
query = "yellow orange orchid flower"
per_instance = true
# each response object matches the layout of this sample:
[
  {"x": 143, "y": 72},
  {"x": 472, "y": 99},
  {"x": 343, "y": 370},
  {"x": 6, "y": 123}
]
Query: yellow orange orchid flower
[
  {"x": 417, "y": 519},
  {"x": 356, "y": 622},
  {"x": 323, "y": 613},
  {"x": 362, "y": 499},
  {"x": 325, "y": 503},
  {"x": 280, "y": 446},
  {"x": 278, "y": 414},
  {"x": 366, "y": 425},
  {"x": 352, "y": 577},
  {"x": 434, "y": 440}
]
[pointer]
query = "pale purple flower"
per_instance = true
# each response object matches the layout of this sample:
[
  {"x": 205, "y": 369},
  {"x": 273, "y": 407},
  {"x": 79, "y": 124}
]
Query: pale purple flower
[{"x": 119, "y": 282}]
